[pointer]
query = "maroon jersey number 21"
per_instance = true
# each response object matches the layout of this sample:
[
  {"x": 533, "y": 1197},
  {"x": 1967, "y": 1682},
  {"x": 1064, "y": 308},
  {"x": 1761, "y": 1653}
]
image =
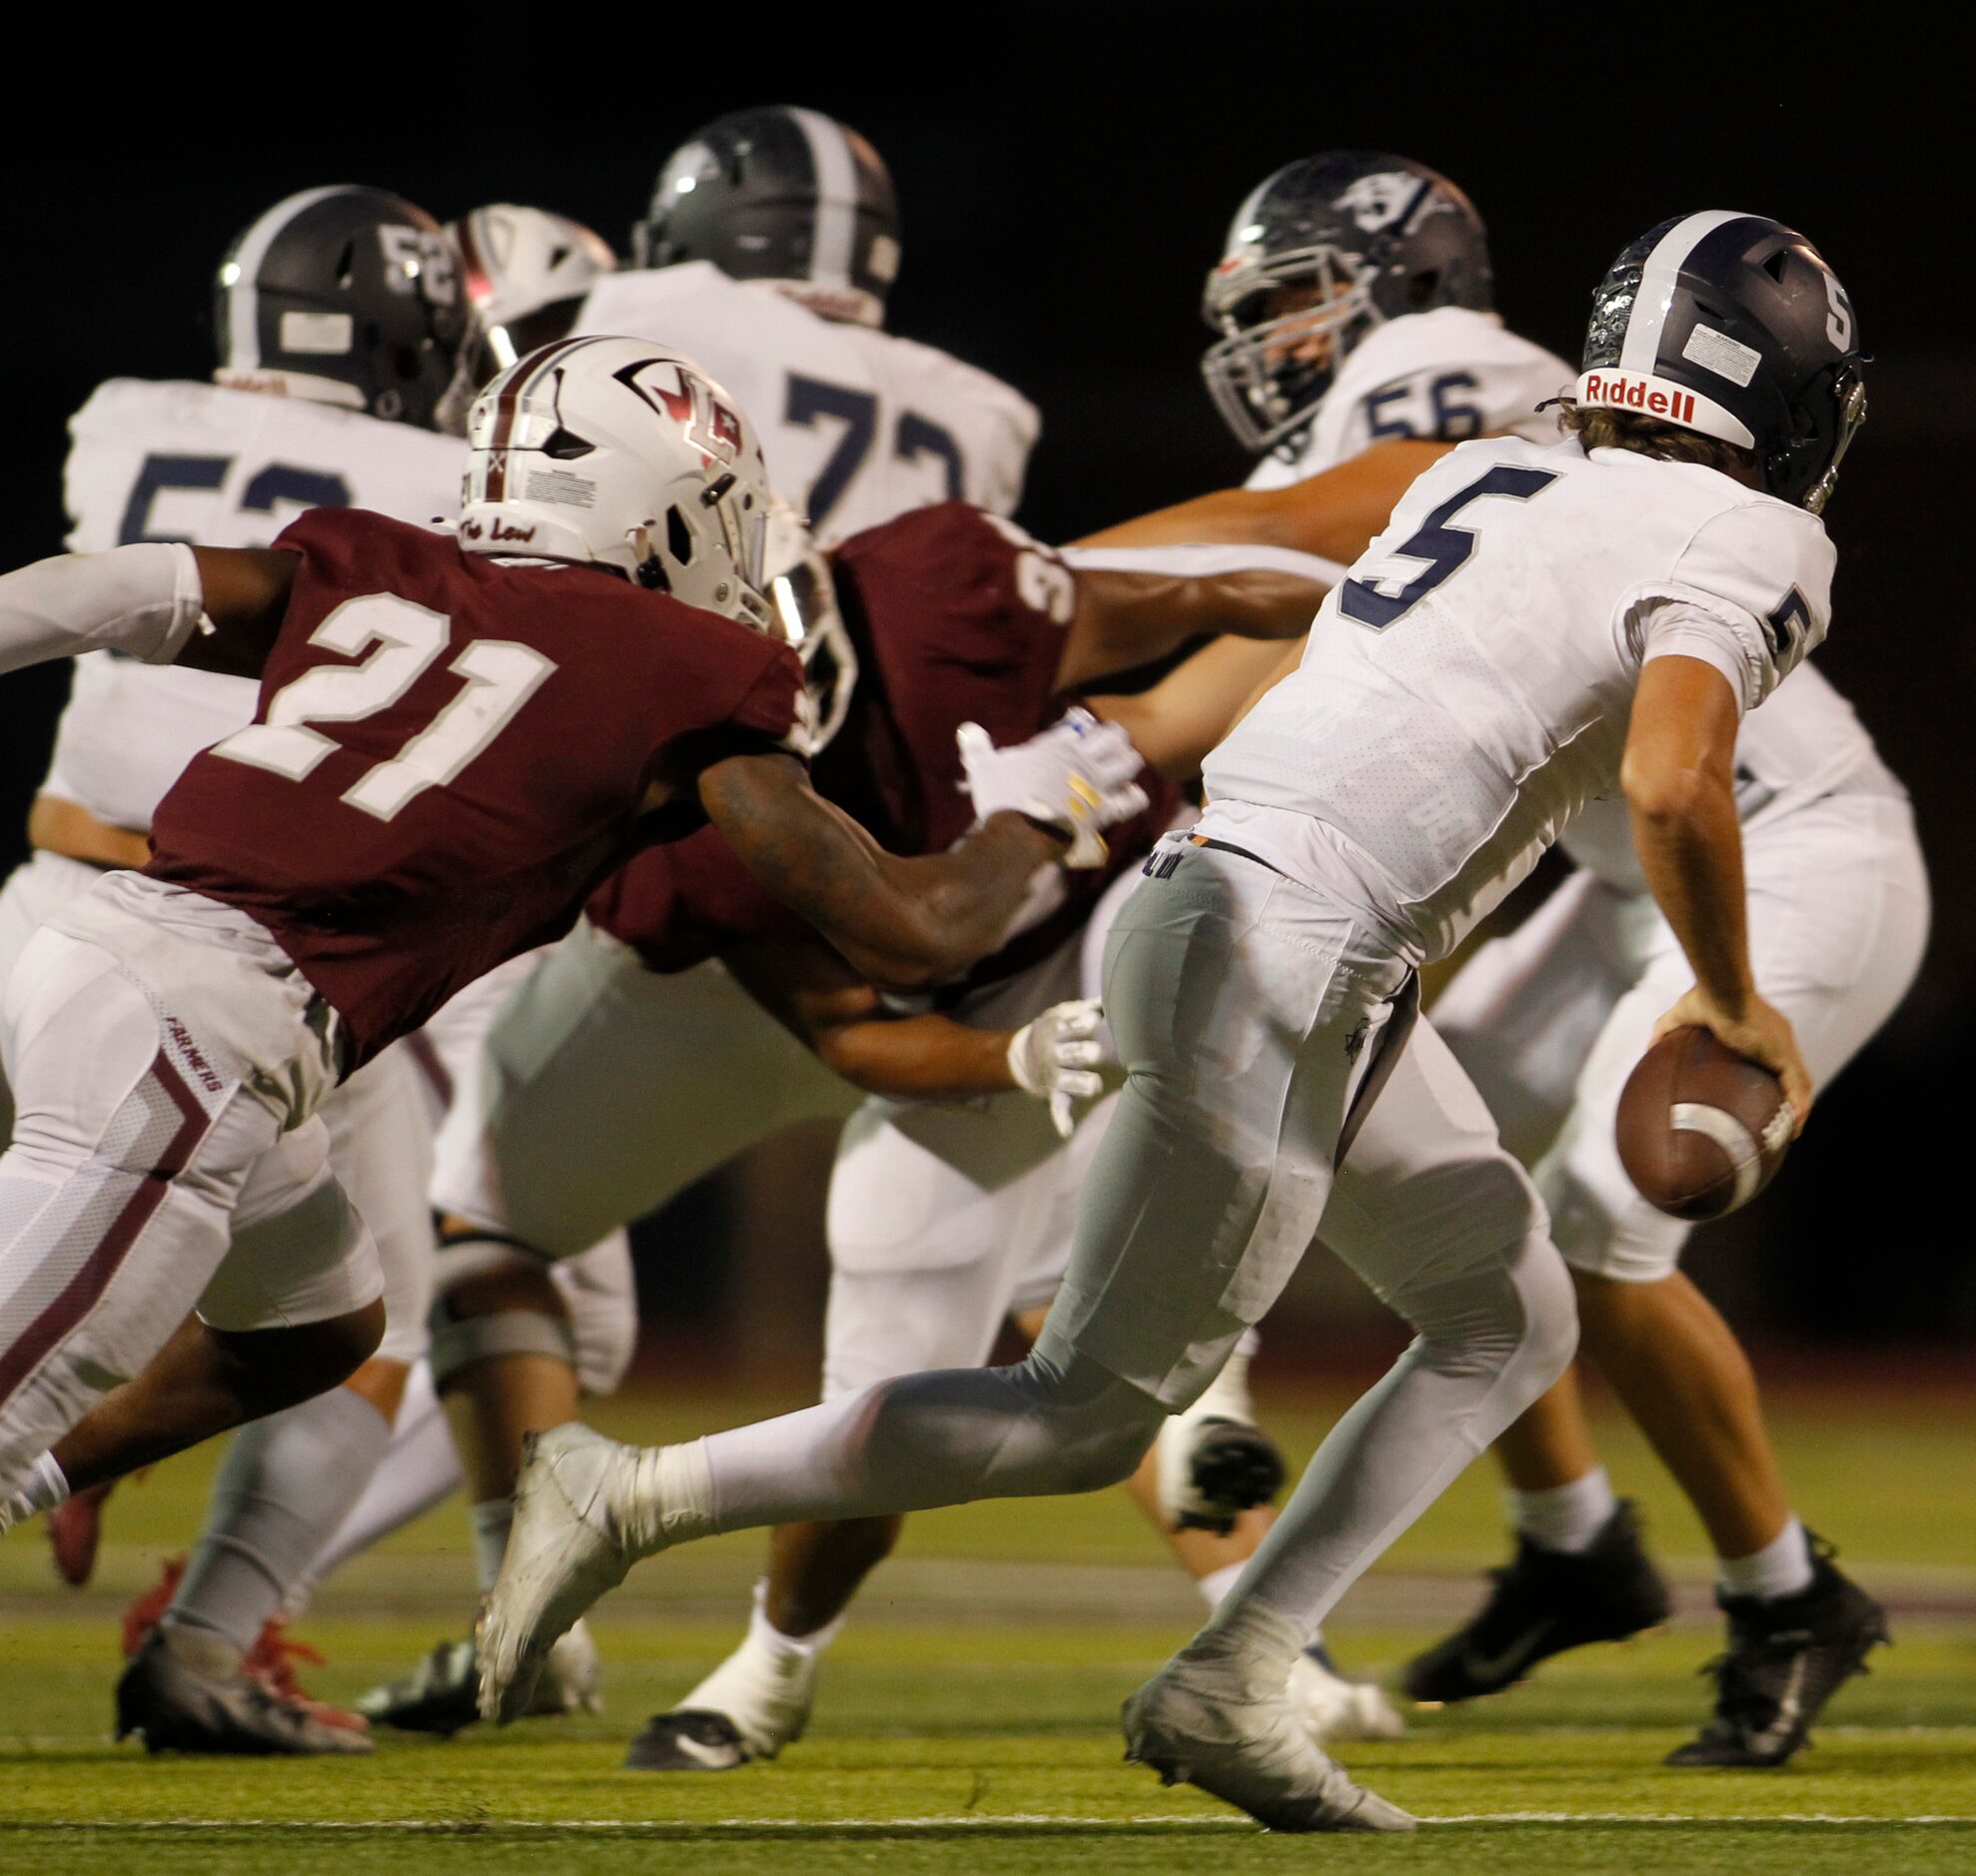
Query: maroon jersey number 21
[{"x": 501, "y": 676}]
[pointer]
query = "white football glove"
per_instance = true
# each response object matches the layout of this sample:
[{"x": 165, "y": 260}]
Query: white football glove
[
  {"x": 1057, "y": 1057},
  {"x": 1074, "y": 776}
]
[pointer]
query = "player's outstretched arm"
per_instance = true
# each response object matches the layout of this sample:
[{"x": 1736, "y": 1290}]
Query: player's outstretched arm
[
  {"x": 1132, "y": 615},
  {"x": 902, "y": 923},
  {"x": 1679, "y": 777},
  {"x": 1333, "y": 514},
  {"x": 157, "y": 600},
  {"x": 844, "y": 1021},
  {"x": 247, "y": 592}
]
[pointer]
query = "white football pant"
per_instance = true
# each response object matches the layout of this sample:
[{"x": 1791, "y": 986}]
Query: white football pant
[
  {"x": 381, "y": 1139},
  {"x": 166, "y": 1073},
  {"x": 1246, "y": 1009}
]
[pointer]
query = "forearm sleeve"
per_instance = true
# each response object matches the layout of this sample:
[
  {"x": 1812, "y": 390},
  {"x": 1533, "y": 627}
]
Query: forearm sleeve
[{"x": 145, "y": 599}]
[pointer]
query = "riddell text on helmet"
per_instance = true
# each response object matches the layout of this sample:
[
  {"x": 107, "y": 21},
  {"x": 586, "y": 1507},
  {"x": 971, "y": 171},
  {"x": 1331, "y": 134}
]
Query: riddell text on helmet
[{"x": 1632, "y": 393}]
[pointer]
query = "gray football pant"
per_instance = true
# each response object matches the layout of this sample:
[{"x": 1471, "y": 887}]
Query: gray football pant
[{"x": 1247, "y": 1008}]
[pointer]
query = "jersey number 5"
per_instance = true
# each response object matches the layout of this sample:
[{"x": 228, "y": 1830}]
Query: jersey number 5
[
  {"x": 1446, "y": 548},
  {"x": 403, "y": 640}
]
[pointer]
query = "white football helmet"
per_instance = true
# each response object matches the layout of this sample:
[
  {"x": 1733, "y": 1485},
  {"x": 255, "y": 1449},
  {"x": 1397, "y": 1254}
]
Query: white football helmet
[
  {"x": 518, "y": 263},
  {"x": 803, "y": 593},
  {"x": 622, "y": 454}
]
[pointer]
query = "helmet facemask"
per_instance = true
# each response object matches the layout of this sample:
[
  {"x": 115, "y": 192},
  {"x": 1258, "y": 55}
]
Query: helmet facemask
[
  {"x": 1846, "y": 400},
  {"x": 1271, "y": 371},
  {"x": 805, "y": 597}
]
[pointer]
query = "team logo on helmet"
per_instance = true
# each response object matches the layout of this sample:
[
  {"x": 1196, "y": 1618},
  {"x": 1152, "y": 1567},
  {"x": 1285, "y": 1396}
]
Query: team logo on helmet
[
  {"x": 1379, "y": 201},
  {"x": 691, "y": 402}
]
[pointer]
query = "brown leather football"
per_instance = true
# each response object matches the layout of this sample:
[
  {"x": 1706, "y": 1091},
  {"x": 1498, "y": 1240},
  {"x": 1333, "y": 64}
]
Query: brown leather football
[{"x": 1702, "y": 1129}]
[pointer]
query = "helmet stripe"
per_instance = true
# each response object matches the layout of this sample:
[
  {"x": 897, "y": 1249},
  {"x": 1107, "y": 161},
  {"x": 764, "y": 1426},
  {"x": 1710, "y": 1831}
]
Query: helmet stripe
[
  {"x": 835, "y": 169},
  {"x": 243, "y": 299},
  {"x": 1658, "y": 274},
  {"x": 507, "y": 407}
]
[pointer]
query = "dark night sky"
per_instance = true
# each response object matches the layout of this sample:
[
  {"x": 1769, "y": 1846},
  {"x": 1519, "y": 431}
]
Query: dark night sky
[{"x": 1062, "y": 201}]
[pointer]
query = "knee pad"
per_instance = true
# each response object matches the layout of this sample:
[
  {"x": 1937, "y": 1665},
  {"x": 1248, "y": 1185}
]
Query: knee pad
[
  {"x": 1518, "y": 1309},
  {"x": 468, "y": 1253},
  {"x": 461, "y": 1341}
]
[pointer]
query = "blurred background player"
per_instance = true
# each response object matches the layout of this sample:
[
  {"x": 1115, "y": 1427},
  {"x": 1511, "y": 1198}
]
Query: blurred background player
[
  {"x": 1549, "y": 1021},
  {"x": 770, "y": 244},
  {"x": 338, "y": 318},
  {"x": 767, "y": 251}
]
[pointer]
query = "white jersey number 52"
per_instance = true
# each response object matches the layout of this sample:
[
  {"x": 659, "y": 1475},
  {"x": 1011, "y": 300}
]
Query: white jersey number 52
[{"x": 403, "y": 640}]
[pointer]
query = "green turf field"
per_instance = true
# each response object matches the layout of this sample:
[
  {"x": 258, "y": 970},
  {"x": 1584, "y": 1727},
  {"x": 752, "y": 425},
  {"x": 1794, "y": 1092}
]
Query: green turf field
[{"x": 967, "y": 1723}]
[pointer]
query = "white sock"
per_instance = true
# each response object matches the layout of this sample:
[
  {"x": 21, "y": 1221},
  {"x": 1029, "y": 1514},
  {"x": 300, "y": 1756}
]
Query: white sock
[
  {"x": 1565, "y": 1518},
  {"x": 672, "y": 1497},
  {"x": 763, "y": 1634},
  {"x": 1217, "y": 1584},
  {"x": 491, "y": 1520},
  {"x": 42, "y": 1490},
  {"x": 45, "y": 1488},
  {"x": 1781, "y": 1569}
]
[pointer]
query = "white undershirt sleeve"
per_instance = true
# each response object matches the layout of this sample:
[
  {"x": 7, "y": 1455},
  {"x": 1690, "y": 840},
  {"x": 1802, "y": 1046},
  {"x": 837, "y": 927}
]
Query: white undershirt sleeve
[
  {"x": 145, "y": 599},
  {"x": 1203, "y": 560},
  {"x": 1675, "y": 629}
]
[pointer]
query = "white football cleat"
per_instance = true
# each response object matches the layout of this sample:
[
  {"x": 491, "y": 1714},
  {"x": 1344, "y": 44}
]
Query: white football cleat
[
  {"x": 572, "y": 1676},
  {"x": 1218, "y": 1724},
  {"x": 1331, "y": 1709},
  {"x": 750, "y": 1707},
  {"x": 568, "y": 1546}
]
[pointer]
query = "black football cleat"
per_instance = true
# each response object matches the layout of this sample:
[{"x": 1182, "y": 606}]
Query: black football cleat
[
  {"x": 689, "y": 1741},
  {"x": 1544, "y": 1602},
  {"x": 176, "y": 1708},
  {"x": 440, "y": 1695},
  {"x": 1787, "y": 1658}
]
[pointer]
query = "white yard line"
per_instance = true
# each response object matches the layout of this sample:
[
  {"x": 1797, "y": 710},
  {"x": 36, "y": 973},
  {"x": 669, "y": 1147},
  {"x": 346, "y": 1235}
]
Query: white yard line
[{"x": 879, "y": 1826}]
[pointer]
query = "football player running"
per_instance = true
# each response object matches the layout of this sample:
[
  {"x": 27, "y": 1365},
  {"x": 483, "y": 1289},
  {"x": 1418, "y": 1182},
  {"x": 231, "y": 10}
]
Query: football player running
[
  {"x": 339, "y": 316},
  {"x": 767, "y": 251},
  {"x": 1549, "y": 1021},
  {"x": 1540, "y": 625},
  {"x": 314, "y": 895}
]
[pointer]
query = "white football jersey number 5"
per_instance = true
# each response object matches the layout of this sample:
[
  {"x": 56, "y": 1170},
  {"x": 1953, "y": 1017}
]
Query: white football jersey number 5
[{"x": 403, "y": 640}]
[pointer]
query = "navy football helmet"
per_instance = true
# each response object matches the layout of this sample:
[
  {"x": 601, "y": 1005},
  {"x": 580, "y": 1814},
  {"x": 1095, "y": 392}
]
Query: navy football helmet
[
  {"x": 1360, "y": 237},
  {"x": 1733, "y": 326},
  {"x": 783, "y": 194},
  {"x": 344, "y": 296}
]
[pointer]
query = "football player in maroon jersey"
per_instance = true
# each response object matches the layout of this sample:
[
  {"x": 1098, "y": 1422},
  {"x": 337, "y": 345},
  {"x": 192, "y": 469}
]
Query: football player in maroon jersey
[{"x": 457, "y": 741}]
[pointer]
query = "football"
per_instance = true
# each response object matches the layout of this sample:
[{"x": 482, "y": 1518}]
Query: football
[{"x": 1702, "y": 1129}]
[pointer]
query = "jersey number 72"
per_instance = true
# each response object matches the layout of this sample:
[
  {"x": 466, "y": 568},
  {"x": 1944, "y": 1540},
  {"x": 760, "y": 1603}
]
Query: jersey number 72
[{"x": 403, "y": 640}]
